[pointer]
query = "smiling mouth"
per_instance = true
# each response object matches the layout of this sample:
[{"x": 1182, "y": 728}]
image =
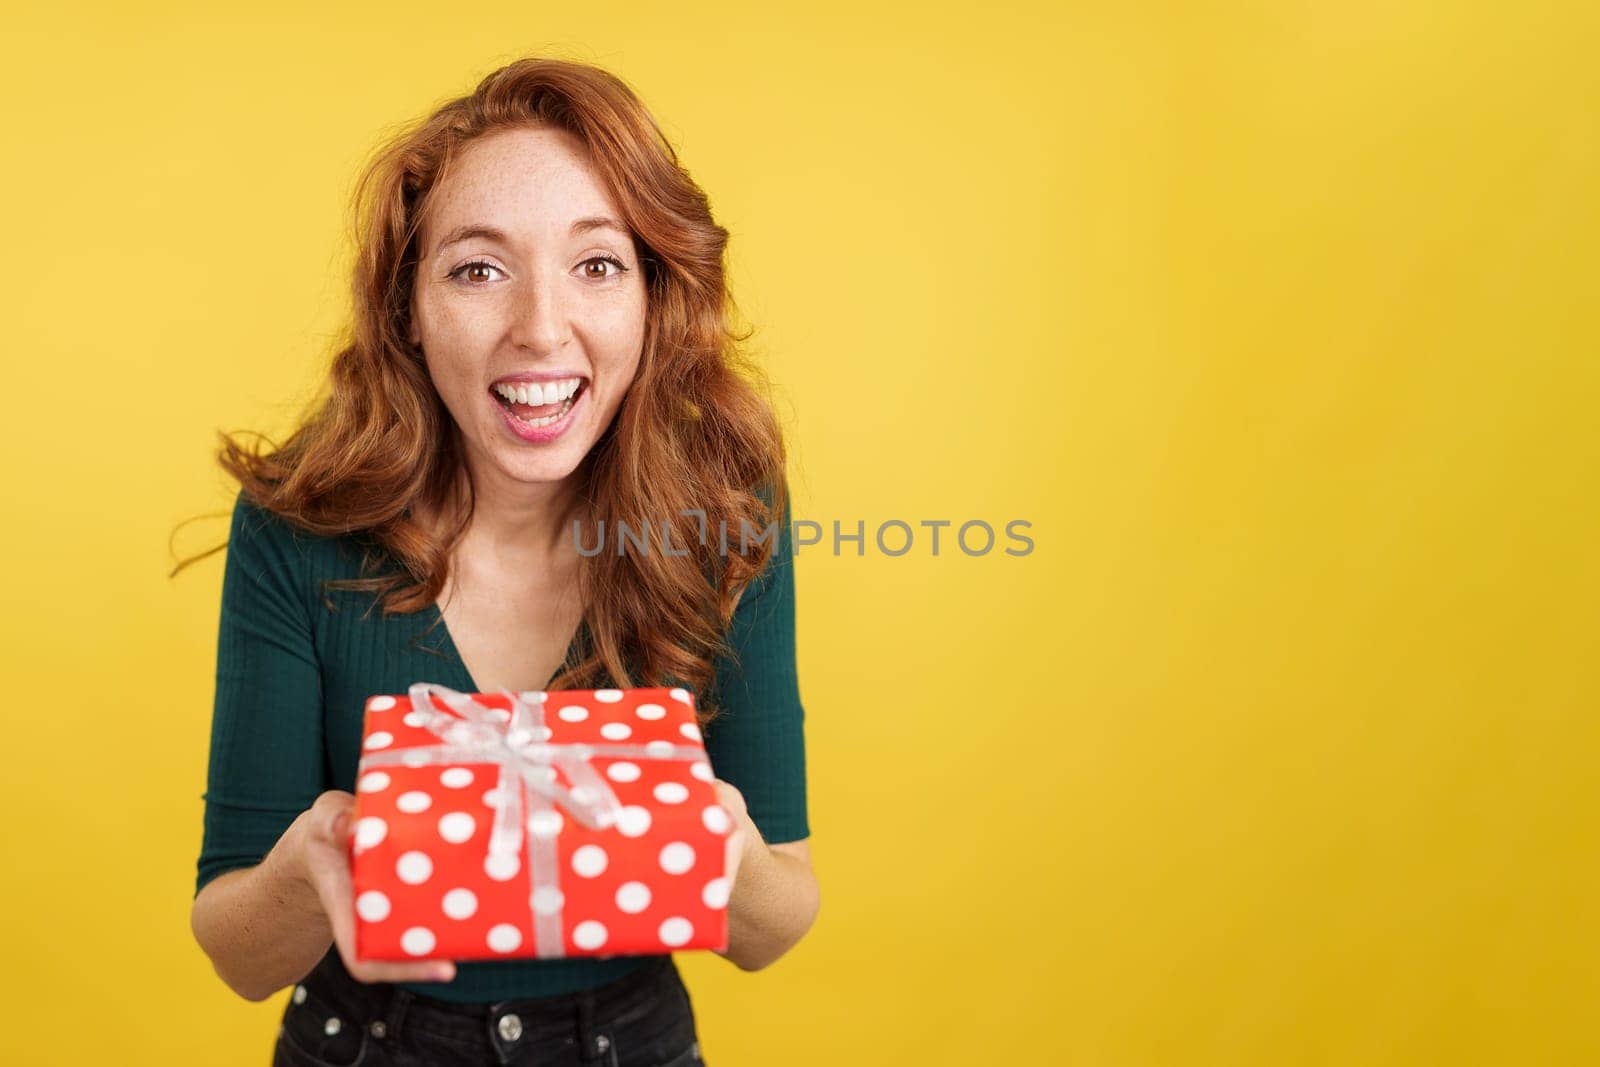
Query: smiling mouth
[{"x": 540, "y": 404}]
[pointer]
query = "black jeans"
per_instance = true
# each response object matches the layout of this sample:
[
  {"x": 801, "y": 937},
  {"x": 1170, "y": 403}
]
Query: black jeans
[{"x": 643, "y": 1018}]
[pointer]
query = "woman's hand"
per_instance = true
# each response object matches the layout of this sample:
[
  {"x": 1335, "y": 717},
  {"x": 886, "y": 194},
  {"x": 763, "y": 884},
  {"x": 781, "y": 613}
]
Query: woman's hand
[
  {"x": 743, "y": 833},
  {"x": 323, "y": 839},
  {"x": 740, "y": 837},
  {"x": 772, "y": 896}
]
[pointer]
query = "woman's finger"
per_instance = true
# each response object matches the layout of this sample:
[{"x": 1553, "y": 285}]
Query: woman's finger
[
  {"x": 735, "y": 853},
  {"x": 388, "y": 971},
  {"x": 335, "y": 890},
  {"x": 333, "y": 810},
  {"x": 729, "y": 796},
  {"x": 341, "y": 916}
]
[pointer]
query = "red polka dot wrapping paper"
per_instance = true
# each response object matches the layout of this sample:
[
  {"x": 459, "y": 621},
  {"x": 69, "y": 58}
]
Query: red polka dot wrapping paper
[{"x": 426, "y": 884}]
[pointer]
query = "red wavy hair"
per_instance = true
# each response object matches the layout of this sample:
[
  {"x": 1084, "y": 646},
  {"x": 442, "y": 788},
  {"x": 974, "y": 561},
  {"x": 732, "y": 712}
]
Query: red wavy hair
[{"x": 695, "y": 430}]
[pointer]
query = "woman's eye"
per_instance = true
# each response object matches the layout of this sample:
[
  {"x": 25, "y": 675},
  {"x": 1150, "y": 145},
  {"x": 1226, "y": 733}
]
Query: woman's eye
[
  {"x": 595, "y": 267},
  {"x": 474, "y": 271}
]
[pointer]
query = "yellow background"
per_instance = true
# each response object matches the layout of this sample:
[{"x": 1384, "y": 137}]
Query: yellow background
[{"x": 1276, "y": 322}]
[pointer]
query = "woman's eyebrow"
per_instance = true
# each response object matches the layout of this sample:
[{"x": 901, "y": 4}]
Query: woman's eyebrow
[
  {"x": 598, "y": 222},
  {"x": 478, "y": 229},
  {"x": 468, "y": 232}
]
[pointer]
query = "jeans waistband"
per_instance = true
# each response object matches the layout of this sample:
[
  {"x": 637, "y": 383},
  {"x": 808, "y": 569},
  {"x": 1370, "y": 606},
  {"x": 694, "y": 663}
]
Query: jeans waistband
[{"x": 556, "y": 1016}]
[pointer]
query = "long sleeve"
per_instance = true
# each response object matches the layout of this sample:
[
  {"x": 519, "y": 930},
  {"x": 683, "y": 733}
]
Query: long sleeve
[
  {"x": 757, "y": 741},
  {"x": 266, "y": 764}
]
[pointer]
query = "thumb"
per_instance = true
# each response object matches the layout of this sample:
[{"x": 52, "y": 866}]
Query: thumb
[{"x": 334, "y": 811}]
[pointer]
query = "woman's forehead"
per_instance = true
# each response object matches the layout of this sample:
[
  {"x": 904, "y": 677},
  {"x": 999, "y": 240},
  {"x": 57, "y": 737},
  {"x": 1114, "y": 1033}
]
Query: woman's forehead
[{"x": 529, "y": 182}]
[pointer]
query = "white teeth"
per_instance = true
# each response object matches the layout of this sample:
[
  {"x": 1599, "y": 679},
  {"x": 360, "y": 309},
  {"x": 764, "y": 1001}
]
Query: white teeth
[
  {"x": 539, "y": 393},
  {"x": 548, "y": 419}
]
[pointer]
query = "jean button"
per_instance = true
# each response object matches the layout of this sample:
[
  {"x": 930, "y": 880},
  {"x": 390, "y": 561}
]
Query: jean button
[
  {"x": 510, "y": 1027},
  {"x": 379, "y": 1029},
  {"x": 299, "y": 995}
]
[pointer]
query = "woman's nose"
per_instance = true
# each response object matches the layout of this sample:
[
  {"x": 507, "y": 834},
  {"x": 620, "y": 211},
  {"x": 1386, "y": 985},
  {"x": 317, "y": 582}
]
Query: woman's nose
[{"x": 540, "y": 315}]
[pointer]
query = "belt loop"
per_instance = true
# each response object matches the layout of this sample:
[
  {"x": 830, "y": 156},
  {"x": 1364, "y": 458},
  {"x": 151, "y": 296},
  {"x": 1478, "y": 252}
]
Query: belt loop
[
  {"x": 594, "y": 1044},
  {"x": 399, "y": 1000}
]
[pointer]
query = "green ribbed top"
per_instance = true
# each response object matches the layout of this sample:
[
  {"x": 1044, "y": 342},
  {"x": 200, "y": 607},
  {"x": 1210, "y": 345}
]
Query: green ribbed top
[{"x": 293, "y": 678}]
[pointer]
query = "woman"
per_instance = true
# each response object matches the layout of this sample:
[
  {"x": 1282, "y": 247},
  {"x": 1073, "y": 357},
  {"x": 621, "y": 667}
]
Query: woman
[{"x": 540, "y": 350}]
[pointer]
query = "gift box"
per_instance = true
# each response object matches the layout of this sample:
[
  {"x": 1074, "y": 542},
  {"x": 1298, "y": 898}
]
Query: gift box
[{"x": 534, "y": 824}]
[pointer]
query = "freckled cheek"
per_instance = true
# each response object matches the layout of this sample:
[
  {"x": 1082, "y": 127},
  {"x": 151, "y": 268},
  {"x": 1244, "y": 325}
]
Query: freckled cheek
[
  {"x": 452, "y": 327},
  {"x": 617, "y": 334}
]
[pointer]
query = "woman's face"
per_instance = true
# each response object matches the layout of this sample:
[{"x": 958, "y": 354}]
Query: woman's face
[{"x": 527, "y": 280}]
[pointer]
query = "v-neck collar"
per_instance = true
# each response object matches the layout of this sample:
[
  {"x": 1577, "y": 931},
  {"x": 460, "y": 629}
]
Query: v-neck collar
[{"x": 453, "y": 654}]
